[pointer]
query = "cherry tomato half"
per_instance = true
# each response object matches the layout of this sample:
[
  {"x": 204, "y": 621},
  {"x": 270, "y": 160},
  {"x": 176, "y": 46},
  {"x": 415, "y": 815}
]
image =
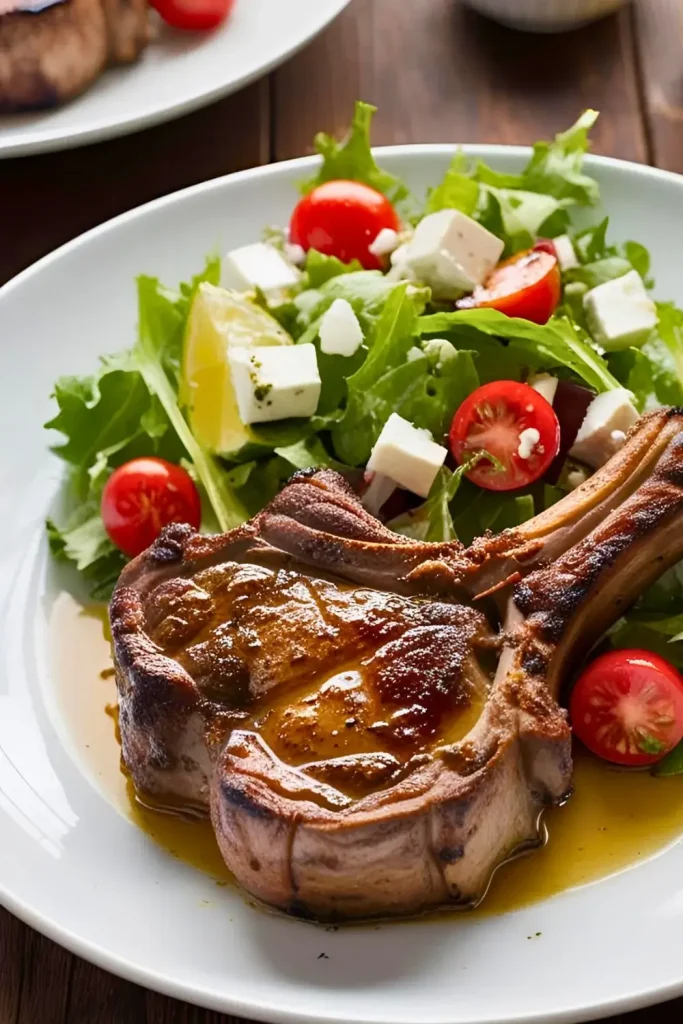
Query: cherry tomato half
[
  {"x": 342, "y": 219},
  {"x": 545, "y": 245},
  {"x": 515, "y": 425},
  {"x": 627, "y": 707},
  {"x": 143, "y": 496},
  {"x": 528, "y": 286},
  {"x": 199, "y": 15}
]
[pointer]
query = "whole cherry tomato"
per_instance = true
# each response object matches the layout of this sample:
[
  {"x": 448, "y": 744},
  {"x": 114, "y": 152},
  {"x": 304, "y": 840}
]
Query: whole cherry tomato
[
  {"x": 199, "y": 15},
  {"x": 143, "y": 496},
  {"x": 343, "y": 219}
]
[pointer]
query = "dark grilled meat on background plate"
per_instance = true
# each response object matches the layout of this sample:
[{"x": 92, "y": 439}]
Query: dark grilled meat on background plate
[{"x": 49, "y": 56}]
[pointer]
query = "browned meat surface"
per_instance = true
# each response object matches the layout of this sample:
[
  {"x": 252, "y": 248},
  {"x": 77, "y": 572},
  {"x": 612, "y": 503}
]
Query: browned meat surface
[
  {"x": 52, "y": 56},
  {"x": 369, "y": 740},
  {"x": 127, "y": 29}
]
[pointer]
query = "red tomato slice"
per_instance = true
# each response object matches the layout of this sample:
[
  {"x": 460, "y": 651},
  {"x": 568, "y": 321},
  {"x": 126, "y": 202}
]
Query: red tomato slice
[
  {"x": 198, "y": 15},
  {"x": 627, "y": 707},
  {"x": 528, "y": 286},
  {"x": 515, "y": 425},
  {"x": 143, "y": 496},
  {"x": 342, "y": 219},
  {"x": 545, "y": 245}
]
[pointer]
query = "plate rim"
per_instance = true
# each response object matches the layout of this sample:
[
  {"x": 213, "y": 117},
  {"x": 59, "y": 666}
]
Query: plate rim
[
  {"x": 54, "y": 140},
  {"x": 94, "y": 952}
]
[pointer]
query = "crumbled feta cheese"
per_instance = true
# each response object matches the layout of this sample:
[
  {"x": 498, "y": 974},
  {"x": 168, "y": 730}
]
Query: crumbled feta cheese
[
  {"x": 400, "y": 271},
  {"x": 407, "y": 455},
  {"x": 378, "y": 492},
  {"x": 566, "y": 254},
  {"x": 340, "y": 332},
  {"x": 296, "y": 254},
  {"x": 452, "y": 253},
  {"x": 385, "y": 243},
  {"x": 275, "y": 382},
  {"x": 259, "y": 266},
  {"x": 528, "y": 441},
  {"x": 546, "y": 385},
  {"x": 413, "y": 354},
  {"x": 609, "y": 418},
  {"x": 576, "y": 477},
  {"x": 620, "y": 313}
]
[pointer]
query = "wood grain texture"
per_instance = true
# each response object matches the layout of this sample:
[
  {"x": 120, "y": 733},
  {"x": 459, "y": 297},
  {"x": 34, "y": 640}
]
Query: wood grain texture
[
  {"x": 437, "y": 72},
  {"x": 46, "y": 968},
  {"x": 97, "y": 997},
  {"x": 13, "y": 937},
  {"x": 659, "y": 26},
  {"x": 47, "y": 200},
  {"x": 440, "y": 73}
]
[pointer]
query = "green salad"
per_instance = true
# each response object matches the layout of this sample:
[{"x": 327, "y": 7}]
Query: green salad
[{"x": 401, "y": 327}]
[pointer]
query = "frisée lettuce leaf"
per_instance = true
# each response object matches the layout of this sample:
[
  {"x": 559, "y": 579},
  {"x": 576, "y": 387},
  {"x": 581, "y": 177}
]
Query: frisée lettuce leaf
[{"x": 352, "y": 159}]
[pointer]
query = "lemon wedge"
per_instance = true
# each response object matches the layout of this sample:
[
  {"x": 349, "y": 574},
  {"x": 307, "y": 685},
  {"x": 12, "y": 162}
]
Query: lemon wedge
[{"x": 220, "y": 320}]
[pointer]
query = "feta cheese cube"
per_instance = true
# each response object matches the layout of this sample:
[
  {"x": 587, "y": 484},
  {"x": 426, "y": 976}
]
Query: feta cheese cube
[
  {"x": 340, "y": 332},
  {"x": 452, "y": 253},
  {"x": 609, "y": 418},
  {"x": 385, "y": 243},
  {"x": 566, "y": 253},
  {"x": 379, "y": 490},
  {"x": 259, "y": 266},
  {"x": 275, "y": 382},
  {"x": 407, "y": 455},
  {"x": 545, "y": 384},
  {"x": 620, "y": 313}
]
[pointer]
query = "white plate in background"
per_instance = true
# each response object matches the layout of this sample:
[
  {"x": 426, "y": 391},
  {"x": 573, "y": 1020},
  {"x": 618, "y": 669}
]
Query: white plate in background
[
  {"x": 178, "y": 72},
  {"x": 74, "y": 867}
]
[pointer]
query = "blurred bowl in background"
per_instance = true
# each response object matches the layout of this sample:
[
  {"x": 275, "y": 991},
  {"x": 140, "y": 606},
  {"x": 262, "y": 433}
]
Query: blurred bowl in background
[{"x": 545, "y": 15}]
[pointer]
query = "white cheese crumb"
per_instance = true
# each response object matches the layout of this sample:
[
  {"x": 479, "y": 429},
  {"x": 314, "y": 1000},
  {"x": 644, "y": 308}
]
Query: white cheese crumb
[
  {"x": 576, "y": 477},
  {"x": 528, "y": 441},
  {"x": 340, "y": 332},
  {"x": 618, "y": 436},
  {"x": 385, "y": 243},
  {"x": 566, "y": 254},
  {"x": 545, "y": 384},
  {"x": 296, "y": 254}
]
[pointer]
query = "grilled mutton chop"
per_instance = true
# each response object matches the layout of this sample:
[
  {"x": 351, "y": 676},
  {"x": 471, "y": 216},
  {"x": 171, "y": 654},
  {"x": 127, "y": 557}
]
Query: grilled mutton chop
[
  {"x": 368, "y": 741},
  {"x": 50, "y": 55}
]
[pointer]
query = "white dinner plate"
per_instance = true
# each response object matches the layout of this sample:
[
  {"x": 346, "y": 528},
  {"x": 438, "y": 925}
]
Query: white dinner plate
[
  {"x": 178, "y": 72},
  {"x": 75, "y": 867}
]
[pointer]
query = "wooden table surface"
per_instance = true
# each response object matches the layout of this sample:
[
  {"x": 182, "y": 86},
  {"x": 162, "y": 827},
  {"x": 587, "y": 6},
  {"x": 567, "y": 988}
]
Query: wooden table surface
[{"x": 438, "y": 73}]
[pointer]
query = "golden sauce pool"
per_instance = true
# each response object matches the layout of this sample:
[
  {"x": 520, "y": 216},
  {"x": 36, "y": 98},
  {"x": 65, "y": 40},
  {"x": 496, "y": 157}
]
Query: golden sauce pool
[{"x": 615, "y": 819}]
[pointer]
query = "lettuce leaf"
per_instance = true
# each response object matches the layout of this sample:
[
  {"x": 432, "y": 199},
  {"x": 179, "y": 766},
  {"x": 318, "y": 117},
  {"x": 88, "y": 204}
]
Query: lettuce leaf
[
  {"x": 320, "y": 268},
  {"x": 519, "y": 208},
  {"x": 128, "y": 408},
  {"x": 424, "y": 385},
  {"x": 498, "y": 339},
  {"x": 556, "y": 168},
  {"x": 352, "y": 159}
]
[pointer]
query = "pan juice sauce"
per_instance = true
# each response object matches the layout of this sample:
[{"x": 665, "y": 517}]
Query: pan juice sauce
[{"x": 614, "y": 820}]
